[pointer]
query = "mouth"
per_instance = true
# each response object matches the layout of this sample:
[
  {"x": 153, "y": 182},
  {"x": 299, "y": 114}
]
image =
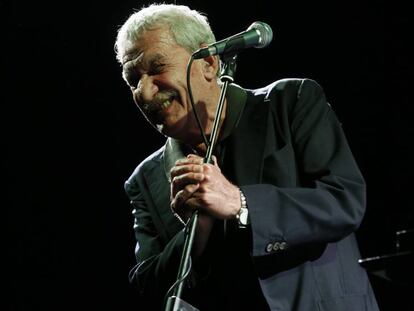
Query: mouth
[
  {"x": 167, "y": 103},
  {"x": 156, "y": 110}
]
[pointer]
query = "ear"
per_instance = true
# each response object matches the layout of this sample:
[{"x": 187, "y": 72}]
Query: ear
[{"x": 210, "y": 65}]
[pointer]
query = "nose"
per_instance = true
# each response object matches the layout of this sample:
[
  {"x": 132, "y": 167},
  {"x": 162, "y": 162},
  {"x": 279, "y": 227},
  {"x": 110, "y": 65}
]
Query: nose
[{"x": 146, "y": 89}]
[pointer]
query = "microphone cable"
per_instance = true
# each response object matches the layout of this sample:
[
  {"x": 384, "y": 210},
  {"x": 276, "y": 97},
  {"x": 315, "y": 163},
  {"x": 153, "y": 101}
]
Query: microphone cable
[{"x": 190, "y": 93}]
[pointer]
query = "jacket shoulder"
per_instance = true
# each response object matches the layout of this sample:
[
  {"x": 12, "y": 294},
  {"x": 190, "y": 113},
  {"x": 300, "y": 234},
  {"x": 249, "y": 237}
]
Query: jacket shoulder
[
  {"x": 132, "y": 183},
  {"x": 290, "y": 85}
]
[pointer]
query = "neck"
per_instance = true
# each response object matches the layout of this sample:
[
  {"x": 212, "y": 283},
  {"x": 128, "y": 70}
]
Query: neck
[
  {"x": 197, "y": 143},
  {"x": 200, "y": 148}
]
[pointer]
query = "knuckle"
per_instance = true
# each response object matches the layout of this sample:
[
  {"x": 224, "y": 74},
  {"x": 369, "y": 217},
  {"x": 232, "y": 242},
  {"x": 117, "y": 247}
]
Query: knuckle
[
  {"x": 203, "y": 197},
  {"x": 180, "y": 161},
  {"x": 176, "y": 181},
  {"x": 202, "y": 190},
  {"x": 175, "y": 171},
  {"x": 187, "y": 190},
  {"x": 207, "y": 177},
  {"x": 179, "y": 196},
  {"x": 208, "y": 168}
]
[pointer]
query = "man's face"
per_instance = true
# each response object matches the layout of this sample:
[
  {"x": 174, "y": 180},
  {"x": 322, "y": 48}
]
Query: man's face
[{"x": 155, "y": 70}]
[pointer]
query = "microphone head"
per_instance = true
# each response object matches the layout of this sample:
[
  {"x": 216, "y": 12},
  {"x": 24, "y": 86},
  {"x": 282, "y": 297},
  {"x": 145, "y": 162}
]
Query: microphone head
[{"x": 265, "y": 34}]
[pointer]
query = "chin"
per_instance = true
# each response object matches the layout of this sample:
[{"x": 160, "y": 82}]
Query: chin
[
  {"x": 166, "y": 130},
  {"x": 172, "y": 129}
]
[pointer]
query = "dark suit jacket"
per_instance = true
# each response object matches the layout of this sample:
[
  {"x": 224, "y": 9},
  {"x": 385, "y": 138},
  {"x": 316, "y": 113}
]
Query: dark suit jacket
[{"x": 305, "y": 195}]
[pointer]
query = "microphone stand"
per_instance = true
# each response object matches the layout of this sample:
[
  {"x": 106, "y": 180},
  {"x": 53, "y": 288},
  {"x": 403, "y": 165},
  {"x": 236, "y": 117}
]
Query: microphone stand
[{"x": 174, "y": 303}]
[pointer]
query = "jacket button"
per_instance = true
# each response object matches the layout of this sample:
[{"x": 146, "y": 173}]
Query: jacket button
[{"x": 269, "y": 247}]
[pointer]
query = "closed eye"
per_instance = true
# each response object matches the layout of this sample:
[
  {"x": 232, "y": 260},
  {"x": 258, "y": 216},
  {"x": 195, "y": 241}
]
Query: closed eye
[
  {"x": 156, "y": 68},
  {"x": 136, "y": 68}
]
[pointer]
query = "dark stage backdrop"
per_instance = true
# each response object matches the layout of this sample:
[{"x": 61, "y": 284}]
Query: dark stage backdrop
[{"x": 71, "y": 134}]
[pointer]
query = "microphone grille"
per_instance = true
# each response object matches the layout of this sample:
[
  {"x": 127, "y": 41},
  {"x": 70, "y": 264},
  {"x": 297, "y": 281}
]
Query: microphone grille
[{"x": 265, "y": 33}]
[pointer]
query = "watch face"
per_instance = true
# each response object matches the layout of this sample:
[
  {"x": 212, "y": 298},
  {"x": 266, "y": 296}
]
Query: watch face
[{"x": 244, "y": 216}]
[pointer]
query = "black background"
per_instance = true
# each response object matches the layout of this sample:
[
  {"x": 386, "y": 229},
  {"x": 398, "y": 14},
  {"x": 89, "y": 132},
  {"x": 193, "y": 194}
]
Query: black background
[{"x": 72, "y": 134}]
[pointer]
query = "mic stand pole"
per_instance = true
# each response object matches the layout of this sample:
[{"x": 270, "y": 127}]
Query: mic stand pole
[{"x": 227, "y": 76}]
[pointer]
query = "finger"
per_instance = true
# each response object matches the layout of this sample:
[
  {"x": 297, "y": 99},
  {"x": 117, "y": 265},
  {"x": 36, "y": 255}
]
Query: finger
[
  {"x": 214, "y": 164},
  {"x": 190, "y": 159},
  {"x": 190, "y": 187},
  {"x": 177, "y": 203},
  {"x": 183, "y": 169},
  {"x": 182, "y": 196},
  {"x": 193, "y": 203},
  {"x": 214, "y": 160},
  {"x": 194, "y": 156},
  {"x": 179, "y": 182}
]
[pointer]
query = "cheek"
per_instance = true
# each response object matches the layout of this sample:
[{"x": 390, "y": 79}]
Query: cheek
[{"x": 196, "y": 70}]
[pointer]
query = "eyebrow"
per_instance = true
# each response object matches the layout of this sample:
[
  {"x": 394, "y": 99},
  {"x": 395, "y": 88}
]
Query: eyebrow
[{"x": 138, "y": 60}]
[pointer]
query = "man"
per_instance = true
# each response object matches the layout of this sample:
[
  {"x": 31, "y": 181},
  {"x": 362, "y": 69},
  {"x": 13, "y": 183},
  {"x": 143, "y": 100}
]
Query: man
[{"x": 281, "y": 156}]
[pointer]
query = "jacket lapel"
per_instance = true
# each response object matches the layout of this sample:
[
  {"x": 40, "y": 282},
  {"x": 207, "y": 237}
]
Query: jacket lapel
[
  {"x": 247, "y": 143},
  {"x": 159, "y": 187}
]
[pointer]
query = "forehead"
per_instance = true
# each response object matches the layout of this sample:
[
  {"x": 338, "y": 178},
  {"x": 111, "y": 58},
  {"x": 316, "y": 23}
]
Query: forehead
[{"x": 151, "y": 42}]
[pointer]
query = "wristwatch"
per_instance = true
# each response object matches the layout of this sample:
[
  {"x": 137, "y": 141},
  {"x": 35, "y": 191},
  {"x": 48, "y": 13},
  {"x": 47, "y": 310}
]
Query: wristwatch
[{"x": 243, "y": 215}]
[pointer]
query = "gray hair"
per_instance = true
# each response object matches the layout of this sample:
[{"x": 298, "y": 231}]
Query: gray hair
[{"x": 189, "y": 28}]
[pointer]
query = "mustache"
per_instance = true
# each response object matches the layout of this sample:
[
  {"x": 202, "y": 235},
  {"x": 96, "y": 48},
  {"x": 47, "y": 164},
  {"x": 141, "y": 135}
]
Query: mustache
[{"x": 157, "y": 102}]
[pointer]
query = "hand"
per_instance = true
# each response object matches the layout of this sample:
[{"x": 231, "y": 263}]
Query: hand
[
  {"x": 186, "y": 176},
  {"x": 197, "y": 185}
]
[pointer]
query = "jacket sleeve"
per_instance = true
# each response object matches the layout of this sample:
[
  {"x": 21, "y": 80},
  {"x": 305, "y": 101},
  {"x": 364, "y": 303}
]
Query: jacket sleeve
[
  {"x": 328, "y": 201},
  {"x": 157, "y": 261}
]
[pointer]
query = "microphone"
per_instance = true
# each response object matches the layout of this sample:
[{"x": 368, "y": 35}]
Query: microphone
[{"x": 258, "y": 35}]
